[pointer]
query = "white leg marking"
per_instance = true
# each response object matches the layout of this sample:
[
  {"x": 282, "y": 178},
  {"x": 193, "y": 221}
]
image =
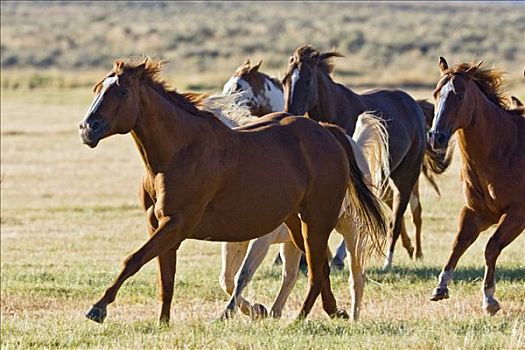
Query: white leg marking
[{"x": 445, "y": 277}]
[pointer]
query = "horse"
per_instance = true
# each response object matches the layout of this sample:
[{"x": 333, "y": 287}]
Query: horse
[
  {"x": 248, "y": 81},
  {"x": 309, "y": 88},
  {"x": 205, "y": 181},
  {"x": 259, "y": 92},
  {"x": 470, "y": 102},
  {"x": 371, "y": 149}
]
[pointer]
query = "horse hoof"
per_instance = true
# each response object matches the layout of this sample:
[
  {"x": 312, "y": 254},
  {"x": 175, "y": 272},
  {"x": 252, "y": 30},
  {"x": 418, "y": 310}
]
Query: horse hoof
[
  {"x": 275, "y": 314},
  {"x": 259, "y": 311},
  {"x": 227, "y": 314},
  {"x": 341, "y": 314},
  {"x": 492, "y": 308},
  {"x": 439, "y": 294},
  {"x": 386, "y": 267},
  {"x": 418, "y": 256},
  {"x": 96, "y": 314}
]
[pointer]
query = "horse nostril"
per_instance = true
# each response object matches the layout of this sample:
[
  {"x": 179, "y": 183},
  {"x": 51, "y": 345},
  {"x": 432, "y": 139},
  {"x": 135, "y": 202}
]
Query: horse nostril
[
  {"x": 441, "y": 138},
  {"x": 95, "y": 125}
]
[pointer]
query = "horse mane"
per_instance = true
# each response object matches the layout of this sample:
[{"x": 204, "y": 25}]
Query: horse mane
[
  {"x": 307, "y": 53},
  {"x": 189, "y": 101},
  {"x": 489, "y": 80}
]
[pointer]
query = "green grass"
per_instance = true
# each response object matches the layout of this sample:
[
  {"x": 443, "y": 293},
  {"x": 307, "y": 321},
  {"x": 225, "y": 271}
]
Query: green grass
[{"x": 70, "y": 215}]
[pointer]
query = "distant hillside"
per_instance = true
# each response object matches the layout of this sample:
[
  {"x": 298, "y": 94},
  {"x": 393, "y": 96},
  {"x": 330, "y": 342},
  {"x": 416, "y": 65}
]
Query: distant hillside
[{"x": 392, "y": 43}]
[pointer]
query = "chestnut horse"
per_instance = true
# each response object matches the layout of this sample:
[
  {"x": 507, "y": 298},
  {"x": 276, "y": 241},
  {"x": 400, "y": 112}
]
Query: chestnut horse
[
  {"x": 205, "y": 181},
  {"x": 470, "y": 101},
  {"x": 370, "y": 146},
  {"x": 309, "y": 88},
  {"x": 263, "y": 94}
]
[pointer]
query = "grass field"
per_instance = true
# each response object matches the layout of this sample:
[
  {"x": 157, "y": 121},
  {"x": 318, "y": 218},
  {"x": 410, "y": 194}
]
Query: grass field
[{"x": 70, "y": 215}]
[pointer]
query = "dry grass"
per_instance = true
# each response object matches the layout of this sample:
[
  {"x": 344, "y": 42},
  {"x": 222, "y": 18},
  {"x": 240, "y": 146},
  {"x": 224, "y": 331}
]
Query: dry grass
[{"x": 69, "y": 215}]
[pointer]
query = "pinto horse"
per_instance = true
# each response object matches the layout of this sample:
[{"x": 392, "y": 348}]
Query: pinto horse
[
  {"x": 470, "y": 102},
  {"x": 205, "y": 181},
  {"x": 309, "y": 88}
]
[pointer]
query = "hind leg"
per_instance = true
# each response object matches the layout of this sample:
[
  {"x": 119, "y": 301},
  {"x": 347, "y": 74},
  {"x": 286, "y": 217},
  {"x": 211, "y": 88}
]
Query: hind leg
[
  {"x": 233, "y": 254},
  {"x": 510, "y": 227},
  {"x": 400, "y": 202},
  {"x": 355, "y": 246},
  {"x": 257, "y": 250},
  {"x": 416, "y": 210},
  {"x": 291, "y": 256},
  {"x": 315, "y": 234}
]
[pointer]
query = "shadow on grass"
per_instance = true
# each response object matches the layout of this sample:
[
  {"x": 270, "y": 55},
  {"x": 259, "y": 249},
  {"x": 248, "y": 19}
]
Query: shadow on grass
[{"x": 465, "y": 274}]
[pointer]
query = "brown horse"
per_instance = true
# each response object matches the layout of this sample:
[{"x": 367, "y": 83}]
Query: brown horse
[
  {"x": 470, "y": 102},
  {"x": 205, "y": 181},
  {"x": 309, "y": 88},
  {"x": 263, "y": 94}
]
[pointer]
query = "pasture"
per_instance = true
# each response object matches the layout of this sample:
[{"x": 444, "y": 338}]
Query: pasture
[{"x": 70, "y": 214}]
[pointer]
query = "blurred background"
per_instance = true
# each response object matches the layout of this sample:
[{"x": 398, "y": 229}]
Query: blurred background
[{"x": 69, "y": 44}]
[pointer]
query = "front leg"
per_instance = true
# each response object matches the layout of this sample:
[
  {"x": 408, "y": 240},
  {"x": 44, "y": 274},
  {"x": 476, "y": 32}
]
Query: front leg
[
  {"x": 167, "y": 261},
  {"x": 470, "y": 226},
  {"x": 167, "y": 236}
]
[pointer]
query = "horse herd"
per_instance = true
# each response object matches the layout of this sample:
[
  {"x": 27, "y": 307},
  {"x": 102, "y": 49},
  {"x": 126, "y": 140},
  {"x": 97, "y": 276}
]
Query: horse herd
[{"x": 249, "y": 169}]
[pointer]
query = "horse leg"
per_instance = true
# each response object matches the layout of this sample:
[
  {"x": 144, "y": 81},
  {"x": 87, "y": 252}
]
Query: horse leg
[
  {"x": 470, "y": 226},
  {"x": 257, "y": 250},
  {"x": 356, "y": 252},
  {"x": 316, "y": 242},
  {"x": 167, "y": 236},
  {"x": 400, "y": 202},
  {"x": 338, "y": 262},
  {"x": 167, "y": 266},
  {"x": 510, "y": 227},
  {"x": 416, "y": 210},
  {"x": 405, "y": 239},
  {"x": 233, "y": 254},
  {"x": 291, "y": 257}
]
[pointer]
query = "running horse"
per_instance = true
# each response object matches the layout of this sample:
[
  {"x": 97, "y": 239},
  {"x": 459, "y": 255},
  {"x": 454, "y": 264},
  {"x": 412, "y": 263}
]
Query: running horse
[
  {"x": 205, "y": 181},
  {"x": 309, "y": 88},
  {"x": 470, "y": 102}
]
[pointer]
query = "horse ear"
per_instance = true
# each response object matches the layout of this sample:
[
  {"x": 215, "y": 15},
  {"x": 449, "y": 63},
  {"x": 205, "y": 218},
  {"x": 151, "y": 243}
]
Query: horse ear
[
  {"x": 326, "y": 55},
  {"x": 515, "y": 102},
  {"x": 139, "y": 70},
  {"x": 256, "y": 67},
  {"x": 117, "y": 65},
  {"x": 479, "y": 63},
  {"x": 443, "y": 65}
]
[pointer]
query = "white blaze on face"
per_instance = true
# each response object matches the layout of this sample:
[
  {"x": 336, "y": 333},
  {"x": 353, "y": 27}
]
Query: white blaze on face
[
  {"x": 274, "y": 96},
  {"x": 294, "y": 77},
  {"x": 98, "y": 99},
  {"x": 443, "y": 94}
]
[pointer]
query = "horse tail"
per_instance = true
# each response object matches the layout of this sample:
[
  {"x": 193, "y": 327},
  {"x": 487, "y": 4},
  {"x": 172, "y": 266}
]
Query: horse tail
[
  {"x": 371, "y": 137},
  {"x": 364, "y": 207},
  {"x": 434, "y": 163}
]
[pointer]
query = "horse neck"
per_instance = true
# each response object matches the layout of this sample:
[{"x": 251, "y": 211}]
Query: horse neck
[
  {"x": 163, "y": 129},
  {"x": 336, "y": 104},
  {"x": 488, "y": 131}
]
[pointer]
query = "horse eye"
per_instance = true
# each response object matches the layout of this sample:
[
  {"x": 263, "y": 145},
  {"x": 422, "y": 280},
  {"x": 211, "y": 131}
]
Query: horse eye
[
  {"x": 460, "y": 96},
  {"x": 122, "y": 92}
]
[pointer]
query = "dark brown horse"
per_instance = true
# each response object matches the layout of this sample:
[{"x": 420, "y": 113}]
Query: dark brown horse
[
  {"x": 309, "y": 88},
  {"x": 470, "y": 102},
  {"x": 205, "y": 181}
]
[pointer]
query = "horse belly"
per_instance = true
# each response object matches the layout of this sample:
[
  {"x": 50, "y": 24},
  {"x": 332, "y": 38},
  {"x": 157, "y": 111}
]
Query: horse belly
[{"x": 249, "y": 216}]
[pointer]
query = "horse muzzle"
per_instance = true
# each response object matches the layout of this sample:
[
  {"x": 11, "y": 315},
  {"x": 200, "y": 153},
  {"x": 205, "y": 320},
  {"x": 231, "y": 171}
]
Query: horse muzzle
[
  {"x": 438, "y": 140},
  {"x": 91, "y": 131}
]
